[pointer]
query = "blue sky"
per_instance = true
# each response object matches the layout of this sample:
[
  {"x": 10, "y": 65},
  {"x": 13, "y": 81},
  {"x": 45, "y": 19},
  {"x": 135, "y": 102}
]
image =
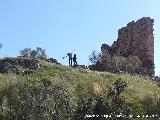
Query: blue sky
[{"x": 61, "y": 26}]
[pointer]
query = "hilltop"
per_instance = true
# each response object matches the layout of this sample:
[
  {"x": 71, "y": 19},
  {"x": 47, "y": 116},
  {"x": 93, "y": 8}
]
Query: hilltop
[{"x": 55, "y": 91}]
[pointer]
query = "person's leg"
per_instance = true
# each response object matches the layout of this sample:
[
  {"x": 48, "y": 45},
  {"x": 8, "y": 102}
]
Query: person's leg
[{"x": 71, "y": 62}]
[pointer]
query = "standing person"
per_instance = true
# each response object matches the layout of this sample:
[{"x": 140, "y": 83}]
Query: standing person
[
  {"x": 75, "y": 60},
  {"x": 70, "y": 58}
]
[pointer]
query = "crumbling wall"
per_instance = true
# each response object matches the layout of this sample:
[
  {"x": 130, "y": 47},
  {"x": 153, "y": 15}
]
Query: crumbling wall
[{"x": 136, "y": 39}]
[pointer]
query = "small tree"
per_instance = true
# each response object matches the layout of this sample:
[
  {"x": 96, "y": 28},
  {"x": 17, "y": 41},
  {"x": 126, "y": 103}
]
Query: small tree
[
  {"x": 39, "y": 53},
  {"x": 33, "y": 54},
  {"x": 106, "y": 61},
  {"x": 94, "y": 57},
  {"x": 25, "y": 52}
]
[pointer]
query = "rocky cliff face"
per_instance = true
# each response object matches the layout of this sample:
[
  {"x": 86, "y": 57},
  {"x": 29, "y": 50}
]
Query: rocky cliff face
[{"x": 135, "y": 39}]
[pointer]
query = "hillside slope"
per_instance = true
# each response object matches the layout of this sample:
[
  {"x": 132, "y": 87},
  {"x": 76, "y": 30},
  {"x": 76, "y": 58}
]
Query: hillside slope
[{"x": 27, "y": 97}]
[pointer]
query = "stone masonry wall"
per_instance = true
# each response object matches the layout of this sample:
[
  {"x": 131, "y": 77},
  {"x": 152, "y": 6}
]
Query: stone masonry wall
[{"x": 135, "y": 39}]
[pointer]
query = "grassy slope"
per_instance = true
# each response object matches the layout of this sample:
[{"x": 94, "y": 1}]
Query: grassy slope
[{"x": 141, "y": 94}]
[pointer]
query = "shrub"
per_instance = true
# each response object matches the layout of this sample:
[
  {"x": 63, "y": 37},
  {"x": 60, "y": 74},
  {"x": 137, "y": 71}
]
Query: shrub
[
  {"x": 94, "y": 57},
  {"x": 39, "y": 101},
  {"x": 117, "y": 64},
  {"x": 133, "y": 64},
  {"x": 96, "y": 105},
  {"x": 39, "y": 53},
  {"x": 25, "y": 52}
]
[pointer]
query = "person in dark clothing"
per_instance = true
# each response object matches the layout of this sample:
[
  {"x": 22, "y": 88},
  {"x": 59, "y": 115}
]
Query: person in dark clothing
[
  {"x": 70, "y": 58},
  {"x": 75, "y": 59}
]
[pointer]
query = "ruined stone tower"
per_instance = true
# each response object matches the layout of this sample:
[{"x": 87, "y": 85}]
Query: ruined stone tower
[{"x": 136, "y": 39}]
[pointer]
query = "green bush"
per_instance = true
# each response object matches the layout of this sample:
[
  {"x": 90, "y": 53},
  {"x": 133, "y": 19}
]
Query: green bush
[
  {"x": 39, "y": 53},
  {"x": 96, "y": 105},
  {"x": 39, "y": 101},
  {"x": 94, "y": 57},
  {"x": 117, "y": 64}
]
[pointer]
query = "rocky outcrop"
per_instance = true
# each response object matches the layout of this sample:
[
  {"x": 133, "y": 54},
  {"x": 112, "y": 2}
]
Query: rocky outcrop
[
  {"x": 18, "y": 65},
  {"x": 80, "y": 66},
  {"x": 136, "y": 39},
  {"x": 52, "y": 60}
]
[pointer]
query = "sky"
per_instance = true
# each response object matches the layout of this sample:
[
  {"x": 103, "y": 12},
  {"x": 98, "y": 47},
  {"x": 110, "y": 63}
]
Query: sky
[{"x": 79, "y": 26}]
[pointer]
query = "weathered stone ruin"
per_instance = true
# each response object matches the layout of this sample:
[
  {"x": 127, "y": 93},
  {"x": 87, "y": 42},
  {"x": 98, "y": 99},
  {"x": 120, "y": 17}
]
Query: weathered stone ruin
[
  {"x": 136, "y": 39},
  {"x": 18, "y": 66}
]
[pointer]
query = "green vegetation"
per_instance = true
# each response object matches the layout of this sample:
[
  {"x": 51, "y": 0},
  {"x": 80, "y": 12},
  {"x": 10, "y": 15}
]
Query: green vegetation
[
  {"x": 60, "y": 93},
  {"x": 116, "y": 64},
  {"x": 94, "y": 57},
  {"x": 39, "y": 53}
]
